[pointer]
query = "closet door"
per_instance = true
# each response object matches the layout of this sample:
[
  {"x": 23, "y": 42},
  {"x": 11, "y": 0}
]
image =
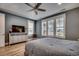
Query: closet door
[{"x": 2, "y": 30}]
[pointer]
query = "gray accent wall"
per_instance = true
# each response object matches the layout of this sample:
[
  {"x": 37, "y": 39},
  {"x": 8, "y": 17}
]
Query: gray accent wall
[
  {"x": 14, "y": 20},
  {"x": 38, "y": 28},
  {"x": 72, "y": 25},
  {"x": 72, "y": 17}
]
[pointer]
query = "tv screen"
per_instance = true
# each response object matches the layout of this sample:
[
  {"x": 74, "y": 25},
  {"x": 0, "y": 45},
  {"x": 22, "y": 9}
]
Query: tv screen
[{"x": 16, "y": 28}]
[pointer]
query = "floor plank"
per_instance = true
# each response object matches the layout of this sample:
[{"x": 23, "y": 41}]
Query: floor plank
[{"x": 13, "y": 50}]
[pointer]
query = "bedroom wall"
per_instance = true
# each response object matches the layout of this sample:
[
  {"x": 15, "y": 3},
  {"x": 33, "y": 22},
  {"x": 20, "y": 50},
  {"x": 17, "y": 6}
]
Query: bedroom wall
[
  {"x": 38, "y": 28},
  {"x": 72, "y": 26},
  {"x": 14, "y": 20}
]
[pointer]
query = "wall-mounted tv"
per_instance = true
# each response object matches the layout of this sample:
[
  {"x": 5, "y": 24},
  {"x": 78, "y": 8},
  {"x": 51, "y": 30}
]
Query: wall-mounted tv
[{"x": 17, "y": 28}]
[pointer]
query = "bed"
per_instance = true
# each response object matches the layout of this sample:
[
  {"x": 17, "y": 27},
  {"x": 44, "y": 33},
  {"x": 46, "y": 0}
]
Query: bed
[{"x": 52, "y": 47}]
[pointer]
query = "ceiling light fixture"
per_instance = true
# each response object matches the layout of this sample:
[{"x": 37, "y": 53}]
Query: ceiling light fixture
[{"x": 59, "y": 3}]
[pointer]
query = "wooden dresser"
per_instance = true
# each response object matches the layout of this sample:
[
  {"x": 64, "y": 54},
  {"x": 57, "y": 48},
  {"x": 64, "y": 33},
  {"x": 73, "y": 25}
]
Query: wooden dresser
[{"x": 17, "y": 37}]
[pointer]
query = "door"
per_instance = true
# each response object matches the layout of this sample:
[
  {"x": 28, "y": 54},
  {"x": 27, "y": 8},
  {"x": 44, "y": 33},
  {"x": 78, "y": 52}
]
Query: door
[{"x": 2, "y": 30}]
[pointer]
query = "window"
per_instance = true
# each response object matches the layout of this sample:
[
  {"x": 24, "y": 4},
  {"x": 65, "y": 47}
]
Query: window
[
  {"x": 51, "y": 28},
  {"x": 54, "y": 27},
  {"x": 44, "y": 28},
  {"x": 60, "y": 28},
  {"x": 30, "y": 27}
]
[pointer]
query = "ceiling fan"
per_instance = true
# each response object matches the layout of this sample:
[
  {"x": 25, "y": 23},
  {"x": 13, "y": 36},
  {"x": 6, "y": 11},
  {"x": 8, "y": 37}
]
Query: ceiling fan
[{"x": 35, "y": 8}]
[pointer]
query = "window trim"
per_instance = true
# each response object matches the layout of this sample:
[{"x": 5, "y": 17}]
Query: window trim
[
  {"x": 54, "y": 18},
  {"x": 53, "y": 27},
  {"x": 29, "y": 28},
  {"x": 64, "y": 16},
  {"x": 42, "y": 28}
]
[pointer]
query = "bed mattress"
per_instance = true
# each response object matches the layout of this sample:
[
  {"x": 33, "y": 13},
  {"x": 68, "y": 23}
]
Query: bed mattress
[{"x": 52, "y": 47}]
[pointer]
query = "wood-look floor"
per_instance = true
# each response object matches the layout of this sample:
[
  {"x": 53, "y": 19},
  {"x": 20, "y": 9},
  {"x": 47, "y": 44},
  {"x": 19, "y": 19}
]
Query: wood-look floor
[{"x": 13, "y": 50}]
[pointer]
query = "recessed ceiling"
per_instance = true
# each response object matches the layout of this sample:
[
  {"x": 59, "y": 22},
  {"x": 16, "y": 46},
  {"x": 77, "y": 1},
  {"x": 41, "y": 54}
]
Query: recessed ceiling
[{"x": 21, "y": 9}]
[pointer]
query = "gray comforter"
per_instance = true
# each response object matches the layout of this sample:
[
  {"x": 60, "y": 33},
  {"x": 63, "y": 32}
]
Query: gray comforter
[{"x": 52, "y": 47}]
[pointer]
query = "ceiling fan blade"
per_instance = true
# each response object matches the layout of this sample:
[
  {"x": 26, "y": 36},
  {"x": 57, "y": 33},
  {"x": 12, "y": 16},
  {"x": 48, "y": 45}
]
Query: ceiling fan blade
[
  {"x": 37, "y": 6},
  {"x": 36, "y": 12},
  {"x": 29, "y": 5},
  {"x": 41, "y": 10}
]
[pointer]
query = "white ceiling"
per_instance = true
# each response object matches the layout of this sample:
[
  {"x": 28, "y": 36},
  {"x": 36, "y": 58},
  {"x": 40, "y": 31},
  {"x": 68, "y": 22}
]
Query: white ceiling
[{"x": 21, "y": 9}]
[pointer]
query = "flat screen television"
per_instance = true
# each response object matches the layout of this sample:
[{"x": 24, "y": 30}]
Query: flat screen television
[{"x": 17, "y": 28}]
